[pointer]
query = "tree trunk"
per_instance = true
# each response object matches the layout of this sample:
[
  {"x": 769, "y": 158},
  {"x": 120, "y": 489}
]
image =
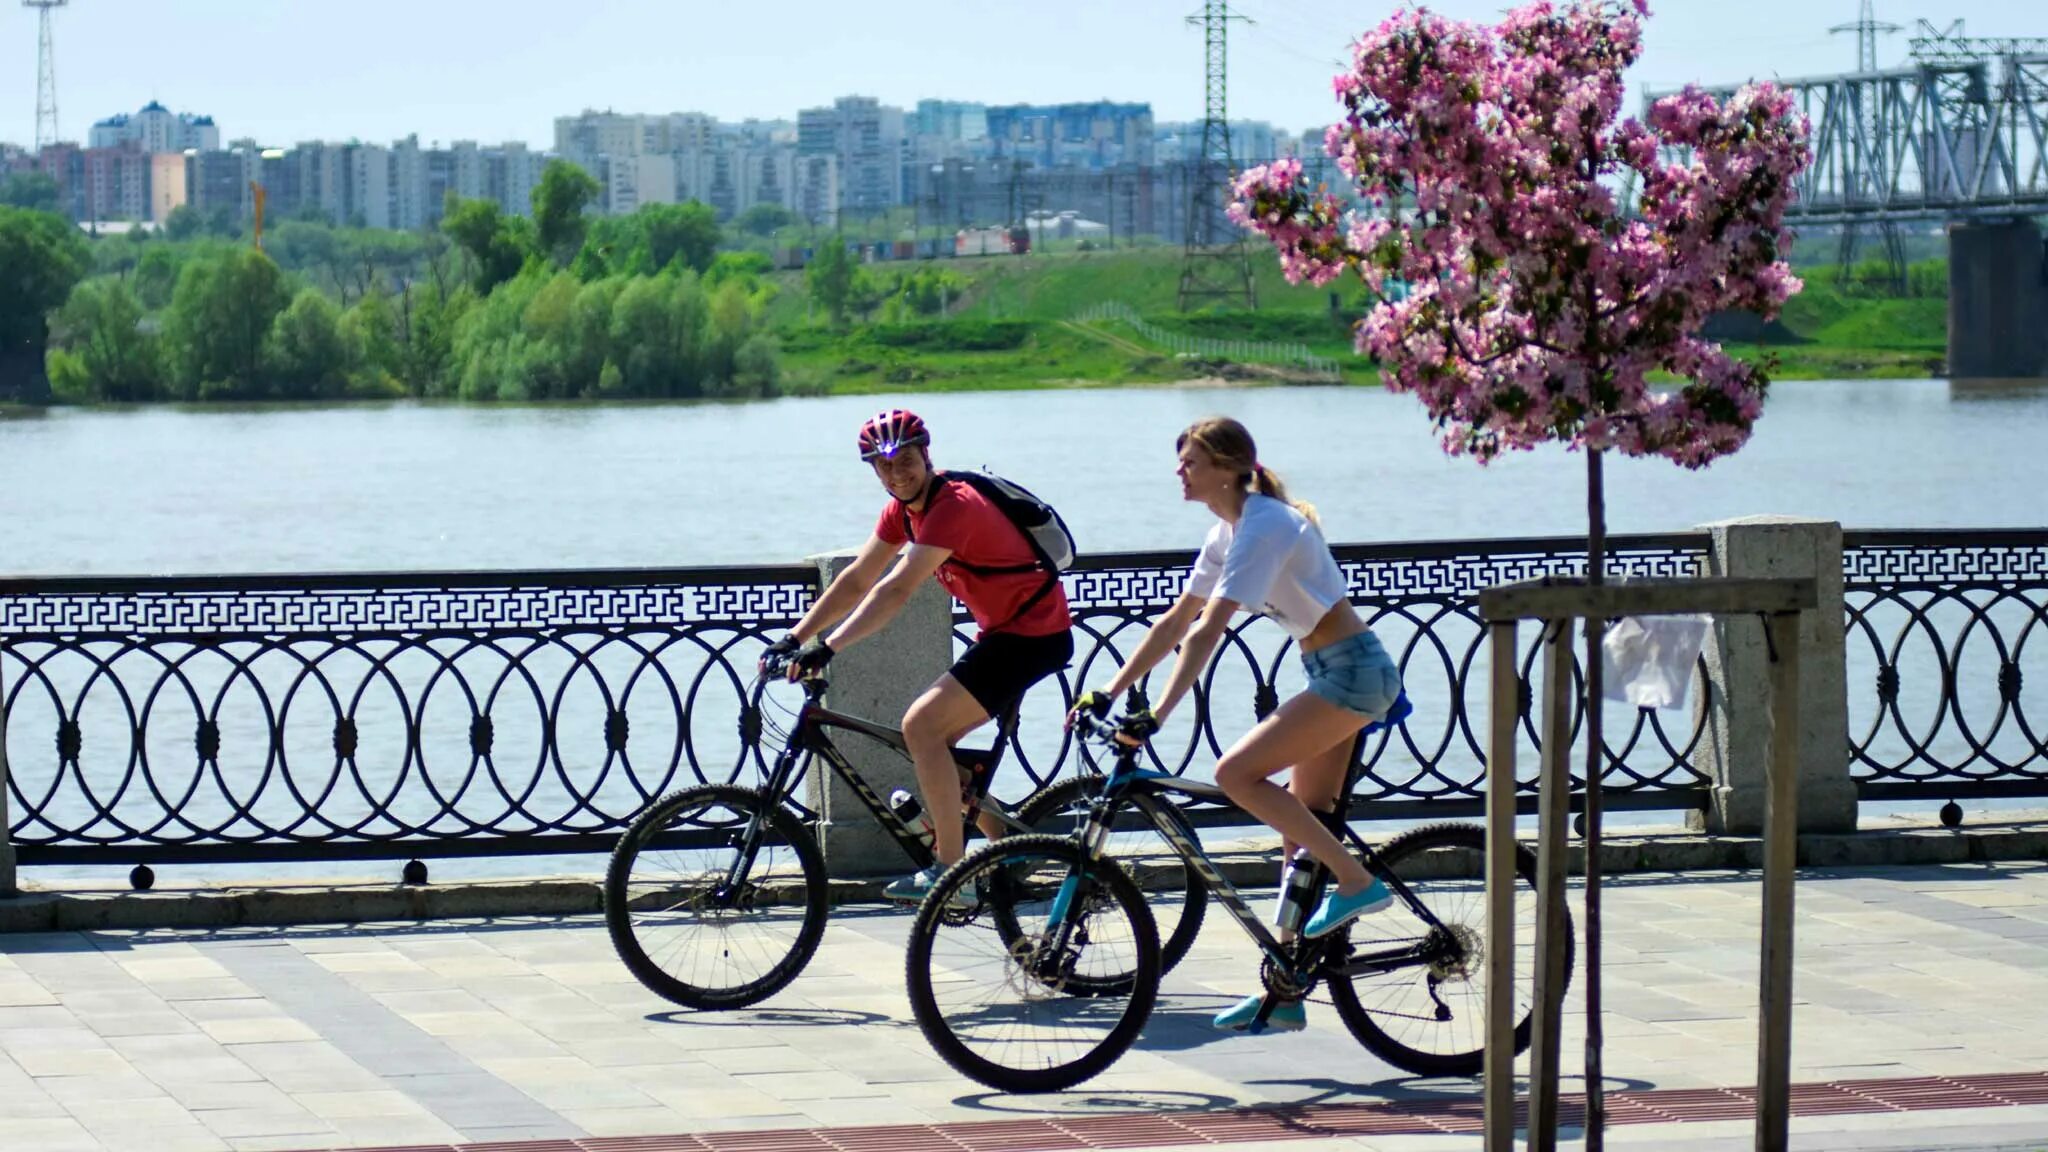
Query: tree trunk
[{"x": 1596, "y": 757}]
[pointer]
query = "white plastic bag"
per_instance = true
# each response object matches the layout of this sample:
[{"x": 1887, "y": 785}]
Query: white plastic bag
[{"x": 1648, "y": 661}]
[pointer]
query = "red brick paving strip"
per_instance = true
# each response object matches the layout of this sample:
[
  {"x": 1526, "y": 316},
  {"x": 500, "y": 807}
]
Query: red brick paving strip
[{"x": 1304, "y": 1121}]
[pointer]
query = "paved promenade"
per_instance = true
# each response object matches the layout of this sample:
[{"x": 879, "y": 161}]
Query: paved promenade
[{"x": 1922, "y": 1023}]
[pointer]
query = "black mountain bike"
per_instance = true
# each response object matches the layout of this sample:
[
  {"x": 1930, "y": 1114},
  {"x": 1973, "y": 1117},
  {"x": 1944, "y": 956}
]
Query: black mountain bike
[
  {"x": 716, "y": 894},
  {"x": 1054, "y": 973}
]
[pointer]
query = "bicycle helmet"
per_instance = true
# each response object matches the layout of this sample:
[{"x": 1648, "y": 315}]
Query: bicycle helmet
[{"x": 888, "y": 432}]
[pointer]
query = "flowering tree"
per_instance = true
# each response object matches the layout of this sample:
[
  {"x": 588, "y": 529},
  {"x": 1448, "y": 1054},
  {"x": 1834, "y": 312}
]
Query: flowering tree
[{"x": 1538, "y": 303}]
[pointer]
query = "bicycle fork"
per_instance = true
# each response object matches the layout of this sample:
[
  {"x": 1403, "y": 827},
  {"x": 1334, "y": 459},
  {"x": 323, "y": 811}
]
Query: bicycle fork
[{"x": 732, "y": 890}]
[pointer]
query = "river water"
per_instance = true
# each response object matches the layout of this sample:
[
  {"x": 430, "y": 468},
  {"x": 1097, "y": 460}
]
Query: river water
[{"x": 412, "y": 486}]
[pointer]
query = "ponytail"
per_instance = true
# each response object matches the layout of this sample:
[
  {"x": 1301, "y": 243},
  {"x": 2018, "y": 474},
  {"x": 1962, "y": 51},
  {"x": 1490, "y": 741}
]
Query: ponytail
[{"x": 1266, "y": 482}]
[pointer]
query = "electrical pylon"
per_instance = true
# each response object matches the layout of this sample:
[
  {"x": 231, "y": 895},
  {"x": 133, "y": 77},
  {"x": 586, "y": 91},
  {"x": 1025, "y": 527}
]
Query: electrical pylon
[
  {"x": 1216, "y": 266},
  {"x": 46, "y": 73}
]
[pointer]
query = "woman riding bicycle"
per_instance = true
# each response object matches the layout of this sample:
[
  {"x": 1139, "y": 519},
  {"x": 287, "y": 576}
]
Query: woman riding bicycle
[
  {"x": 980, "y": 556},
  {"x": 1268, "y": 555}
]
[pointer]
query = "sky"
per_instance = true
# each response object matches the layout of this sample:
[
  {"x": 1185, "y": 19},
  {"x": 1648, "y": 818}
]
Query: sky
[{"x": 281, "y": 71}]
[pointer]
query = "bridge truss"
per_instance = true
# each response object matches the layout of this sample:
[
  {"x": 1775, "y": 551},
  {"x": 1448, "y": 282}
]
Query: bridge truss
[{"x": 1947, "y": 138}]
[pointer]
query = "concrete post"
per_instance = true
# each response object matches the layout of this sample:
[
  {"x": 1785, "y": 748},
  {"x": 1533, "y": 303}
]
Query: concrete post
[
  {"x": 1997, "y": 301},
  {"x": 877, "y": 679},
  {"x": 1737, "y": 745}
]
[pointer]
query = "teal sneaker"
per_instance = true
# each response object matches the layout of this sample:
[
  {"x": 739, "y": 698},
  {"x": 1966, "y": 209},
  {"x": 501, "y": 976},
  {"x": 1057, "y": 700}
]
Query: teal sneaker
[
  {"x": 1287, "y": 1016},
  {"x": 912, "y": 889},
  {"x": 1337, "y": 909}
]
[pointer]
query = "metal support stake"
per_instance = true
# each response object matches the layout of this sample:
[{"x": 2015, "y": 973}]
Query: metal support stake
[
  {"x": 7, "y": 882},
  {"x": 1781, "y": 856},
  {"x": 1554, "y": 802},
  {"x": 1500, "y": 894}
]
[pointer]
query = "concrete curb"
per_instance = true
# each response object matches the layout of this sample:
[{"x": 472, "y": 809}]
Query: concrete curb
[{"x": 259, "y": 905}]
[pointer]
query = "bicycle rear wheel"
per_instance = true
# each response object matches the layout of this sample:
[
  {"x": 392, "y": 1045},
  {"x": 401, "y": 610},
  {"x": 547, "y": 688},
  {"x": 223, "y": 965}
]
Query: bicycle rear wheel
[
  {"x": 997, "y": 1005},
  {"x": 693, "y": 924},
  {"x": 1429, "y": 1017},
  {"x": 1177, "y": 895}
]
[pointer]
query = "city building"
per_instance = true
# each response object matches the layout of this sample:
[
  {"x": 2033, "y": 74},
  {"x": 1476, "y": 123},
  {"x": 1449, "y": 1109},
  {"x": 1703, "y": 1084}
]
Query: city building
[
  {"x": 589, "y": 138},
  {"x": 156, "y": 129},
  {"x": 413, "y": 206},
  {"x": 116, "y": 183},
  {"x": 220, "y": 180},
  {"x": 869, "y": 142},
  {"x": 633, "y": 181},
  {"x": 166, "y": 185},
  {"x": 1093, "y": 135},
  {"x": 511, "y": 172},
  {"x": 943, "y": 130}
]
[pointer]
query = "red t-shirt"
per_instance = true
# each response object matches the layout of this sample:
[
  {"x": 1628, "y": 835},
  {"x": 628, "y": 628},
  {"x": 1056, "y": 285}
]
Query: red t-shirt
[{"x": 963, "y": 521}]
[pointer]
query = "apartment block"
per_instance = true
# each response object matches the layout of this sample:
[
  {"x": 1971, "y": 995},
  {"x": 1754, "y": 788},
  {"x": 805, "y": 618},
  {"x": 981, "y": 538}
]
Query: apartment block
[
  {"x": 1092, "y": 135},
  {"x": 156, "y": 129},
  {"x": 868, "y": 139},
  {"x": 116, "y": 183}
]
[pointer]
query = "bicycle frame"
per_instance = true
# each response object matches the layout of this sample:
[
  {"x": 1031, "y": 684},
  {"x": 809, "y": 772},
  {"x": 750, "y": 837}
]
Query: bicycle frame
[
  {"x": 809, "y": 739},
  {"x": 1300, "y": 962}
]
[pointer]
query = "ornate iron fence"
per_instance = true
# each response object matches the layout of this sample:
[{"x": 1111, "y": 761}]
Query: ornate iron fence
[
  {"x": 1419, "y": 598},
  {"x": 1945, "y": 630},
  {"x": 290, "y": 717},
  {"x": 380, "y": 716}
]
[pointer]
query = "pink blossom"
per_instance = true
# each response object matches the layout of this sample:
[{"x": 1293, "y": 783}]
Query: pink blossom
[{"x": 1539, "y": 305}]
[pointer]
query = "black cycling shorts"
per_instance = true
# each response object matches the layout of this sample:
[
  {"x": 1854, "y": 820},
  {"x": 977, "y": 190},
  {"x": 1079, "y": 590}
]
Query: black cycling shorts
[{"x": 998, "y": 668}]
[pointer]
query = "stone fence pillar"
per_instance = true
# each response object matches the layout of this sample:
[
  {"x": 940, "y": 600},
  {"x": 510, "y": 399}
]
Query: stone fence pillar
[
  {"x": 1736, "y": 747},
  {"x": 877, "y": 679}
]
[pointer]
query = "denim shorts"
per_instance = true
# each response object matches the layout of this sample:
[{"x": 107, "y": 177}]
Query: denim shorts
[{"x": 1354, "y": 673}]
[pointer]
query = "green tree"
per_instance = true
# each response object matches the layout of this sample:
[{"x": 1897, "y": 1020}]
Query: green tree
[
  {"x": 732, "y": 321},
  {"x": 156, "y": 276},
  {"x": 224, "y": 221},
  {"x": 686, "y": 231},
  {"x": 489, "y": 239},
  {"x": 660, "y": 326},
  {"x": 746, "y": 267},
  {"x": 115, "y": 358},
  {"x": 564, "y": 191},
  {"x": 649, "y": 241},
  {"x": 43, "y": 258},
  {"x": 308, "y": 352},
  {"x": 429, "y": 320},
  {"x": 613, "y": 246},
  {"x": 764, "y": 219},
  {"x": 830, "y": 278},
  {"x": 37, "y": 191},
  {"x": 219, "y": 323},
  {"x": 183, "y": 223},
  {"x": 757, "y": 367},
  {"x": 371, "y": 331}
]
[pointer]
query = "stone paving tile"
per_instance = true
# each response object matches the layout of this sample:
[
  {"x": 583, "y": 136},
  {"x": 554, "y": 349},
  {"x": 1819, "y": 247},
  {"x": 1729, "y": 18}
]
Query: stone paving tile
[
  {"x": 389, "y": 1034},
  {"x": 46, "y": 1134},
  {"x": 230, "y": 1123},
  {"x": 206, "y": 1094}
]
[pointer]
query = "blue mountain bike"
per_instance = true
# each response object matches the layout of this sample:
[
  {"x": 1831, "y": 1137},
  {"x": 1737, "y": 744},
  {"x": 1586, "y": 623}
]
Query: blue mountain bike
[{"x": 1035, "y": 962}]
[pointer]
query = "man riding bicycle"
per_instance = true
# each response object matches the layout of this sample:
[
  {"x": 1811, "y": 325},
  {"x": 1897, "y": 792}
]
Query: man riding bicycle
[{"x": 955, "y": 532}]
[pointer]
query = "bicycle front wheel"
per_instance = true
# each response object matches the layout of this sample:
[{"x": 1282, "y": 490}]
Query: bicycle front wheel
[
  {"x": 1428, "y": 1016},
  {"x": 701, "y": 920},
  {"x": 1000, "y": 1004},
  {"x": 1177, "y": 895}
]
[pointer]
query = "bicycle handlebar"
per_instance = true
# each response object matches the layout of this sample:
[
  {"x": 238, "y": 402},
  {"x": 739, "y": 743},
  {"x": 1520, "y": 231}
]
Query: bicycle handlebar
[{"x": 1129, "y": 730}]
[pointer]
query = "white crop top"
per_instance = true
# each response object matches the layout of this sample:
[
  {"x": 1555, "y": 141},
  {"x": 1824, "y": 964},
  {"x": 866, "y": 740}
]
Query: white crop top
[{"x": 1273, "y": 560}]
